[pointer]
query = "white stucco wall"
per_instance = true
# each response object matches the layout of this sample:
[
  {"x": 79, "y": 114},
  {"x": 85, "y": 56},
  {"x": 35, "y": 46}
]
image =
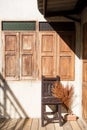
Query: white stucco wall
[
  {"x": 19, "y": 10},
  {"x": 78, "y": 73},
  {"x": 28, "y": 93}
]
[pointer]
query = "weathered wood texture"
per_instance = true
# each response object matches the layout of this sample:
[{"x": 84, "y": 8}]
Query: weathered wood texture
[
  {"x": 57, "y": 54},
  {"x": 48, "y": 99},
  {"x": 28, "y": 56},
  {"x": 35, "y": 124},
  {"x": 19, "y": 57},
  {"x": 84, "y": 90}
]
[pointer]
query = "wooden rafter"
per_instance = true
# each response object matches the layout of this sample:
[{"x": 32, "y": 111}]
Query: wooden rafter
[
  {"x": 61, "y": 13},
  {"x": 73, "y": 18}
]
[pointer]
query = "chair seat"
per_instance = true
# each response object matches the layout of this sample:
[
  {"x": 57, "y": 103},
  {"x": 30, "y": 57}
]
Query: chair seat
[{"x": 50, "y": 100}]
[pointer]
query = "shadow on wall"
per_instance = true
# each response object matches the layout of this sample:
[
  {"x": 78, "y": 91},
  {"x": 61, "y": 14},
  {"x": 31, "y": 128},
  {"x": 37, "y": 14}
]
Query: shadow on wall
[{"x": 9, "y": 105}]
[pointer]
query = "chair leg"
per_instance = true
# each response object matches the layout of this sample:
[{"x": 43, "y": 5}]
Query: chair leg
[
  {"x": 59, "y": 112},
  {"x": 42, "y": 115},
  {"x": 42, "y": 124}
]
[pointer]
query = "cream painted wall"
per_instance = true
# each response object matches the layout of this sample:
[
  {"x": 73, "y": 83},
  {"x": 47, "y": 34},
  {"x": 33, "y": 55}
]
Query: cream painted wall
[{"x": 28, "y": 93}]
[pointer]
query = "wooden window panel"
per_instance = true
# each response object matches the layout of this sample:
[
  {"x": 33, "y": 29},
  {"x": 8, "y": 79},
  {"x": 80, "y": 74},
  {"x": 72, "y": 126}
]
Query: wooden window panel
[
  {"x": 10, "y": 66},
  {"x": 27, "y": 54},
  {"x": 27, "y": 65},
  {"x": 47, "y": 63},
  {"x": 47, "y": 54},
  {"x": 66, "y": 67},
  {"x": 19, "y": 63},
  {"x": 11, "y": 56},
  {"x": 65, "y": 55}
]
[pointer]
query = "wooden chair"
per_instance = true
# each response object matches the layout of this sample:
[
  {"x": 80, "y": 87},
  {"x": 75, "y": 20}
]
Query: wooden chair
[{"x": 49, "y": 100}]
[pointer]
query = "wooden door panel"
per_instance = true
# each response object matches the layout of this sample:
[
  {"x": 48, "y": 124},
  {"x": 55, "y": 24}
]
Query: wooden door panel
[
  {"x": 11, "y": 55},
  {"x": 47, "y": 54},
  {"x": 27, "y": 55},
  {"x": 84, "y": 88}
]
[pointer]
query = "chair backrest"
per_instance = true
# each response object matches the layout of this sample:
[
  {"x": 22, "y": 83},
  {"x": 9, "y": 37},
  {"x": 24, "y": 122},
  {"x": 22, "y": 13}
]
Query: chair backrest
[{"x": 47, "y": 84}]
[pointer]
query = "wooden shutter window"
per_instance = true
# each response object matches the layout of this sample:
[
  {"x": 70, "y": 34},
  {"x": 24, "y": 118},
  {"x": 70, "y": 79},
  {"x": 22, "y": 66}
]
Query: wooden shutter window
[
  {"x": 11, "y": 50},
  {"x": 27, "y": 52},
  {"x": 66, "y": 55},
  {"x": 19, "y": 63},
  {"x": 47, "y": 54}
]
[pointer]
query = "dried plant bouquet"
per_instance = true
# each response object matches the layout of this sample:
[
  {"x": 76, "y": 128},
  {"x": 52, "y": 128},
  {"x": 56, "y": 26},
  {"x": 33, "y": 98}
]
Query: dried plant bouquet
[{"x": 64, "y": 93}]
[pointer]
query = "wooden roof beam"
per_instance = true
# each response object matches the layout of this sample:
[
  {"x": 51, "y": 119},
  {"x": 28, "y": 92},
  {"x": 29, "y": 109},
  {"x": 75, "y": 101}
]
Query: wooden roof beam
[
  {"x": 61, "y": 13},
  {"x": 44, "y": 7},
  {"x": 73, "y": 18},
  {"x": 80, "y": 5}
]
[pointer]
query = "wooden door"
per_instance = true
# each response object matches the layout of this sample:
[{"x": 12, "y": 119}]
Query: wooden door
[
  {"x": 11, "y": 55},
  {"x": 47, "y": 54},
  {"x": 84, "y": 88},
  {"x": 65, "y": 55}
]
